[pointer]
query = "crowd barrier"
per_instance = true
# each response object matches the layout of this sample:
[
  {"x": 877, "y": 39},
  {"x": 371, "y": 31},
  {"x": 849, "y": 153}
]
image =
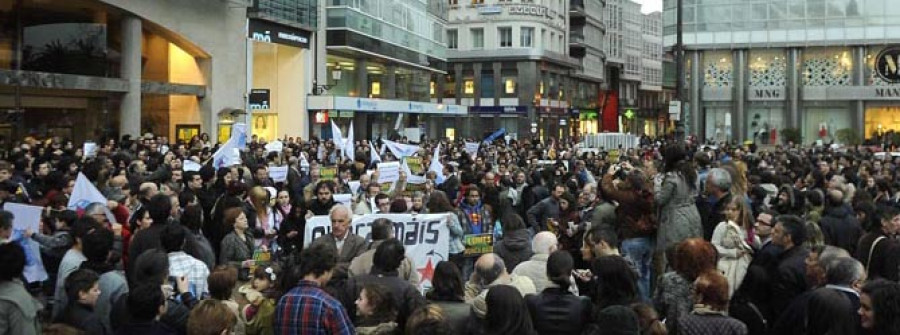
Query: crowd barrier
[{"x": 610, "y": 141}]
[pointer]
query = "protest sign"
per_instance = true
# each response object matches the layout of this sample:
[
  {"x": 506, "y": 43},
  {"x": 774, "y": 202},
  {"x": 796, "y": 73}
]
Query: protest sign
[
  {"x": 189, "y": 165},
  {"x": 472, "y": 148},
  {"x": 90, "y": 149},
  {"x": 328, "y": 173},
  {"x": 274, "y": 146},
  {"x": 415, "y": 165},
  {"x": 388, "y": 172},
  {"x": 354, "y": 186},
  {"x": 478, "y": 244},
  {"x": 425, "y": 237},
  {"x": 28, "y": 217},
  {"x": 278, "y": 173},
  {"x": 344, "y": 198}
]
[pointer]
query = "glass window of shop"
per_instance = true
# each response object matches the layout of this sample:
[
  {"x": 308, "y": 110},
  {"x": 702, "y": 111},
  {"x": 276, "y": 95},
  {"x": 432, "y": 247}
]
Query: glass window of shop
[
  {"x": 881, "y": 119},
  {"x": 827, "y": 66},
  {"x": 764, "y": 123},
  {"x": 411, "y": 84},
  {"x": 279, "y": 69},
  {"x": 718, "y": 123},
  {"x": 348, "y": 85},
  {"x": 823, "y": 122},
  {"x": 375, "y": 76},
  {"x": 450, "y": 85}
]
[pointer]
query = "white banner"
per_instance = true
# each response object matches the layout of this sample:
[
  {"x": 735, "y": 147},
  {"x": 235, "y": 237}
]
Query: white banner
[
  {"x": 401, "y": 150},
  {"x": 425, "y": 237},
  {"x": 189, "y": 165},
  {"x": 388, "y": 172},
  {"x": 90, "y": 149},
  {"x": 28, "y": 217},
  {"x": 274, "y": 146},
  {"x": 278, "y": 173}
]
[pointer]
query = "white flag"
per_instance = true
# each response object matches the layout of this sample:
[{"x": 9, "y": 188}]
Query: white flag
[
  {"x": 349, "y": 145},
  {"x": 375, "y": 156},
  {"x": 436, "y": 165},
  {"x": 229, "y": 153},
  {"x": 401, "y": 150},
  {"x": 84, "y": 193},
  {"x": 336, "y": 136},
  {"x": 472, "y": 149}
]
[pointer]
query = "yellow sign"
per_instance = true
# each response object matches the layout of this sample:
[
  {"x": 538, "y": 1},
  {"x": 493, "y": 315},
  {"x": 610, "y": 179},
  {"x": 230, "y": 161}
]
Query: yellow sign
[
  {"x": 328, "y": 173},
  {"x": 613, "y": 156},
  {"x": 478, "y": 244},
  {"x": 415, "y": 165}
]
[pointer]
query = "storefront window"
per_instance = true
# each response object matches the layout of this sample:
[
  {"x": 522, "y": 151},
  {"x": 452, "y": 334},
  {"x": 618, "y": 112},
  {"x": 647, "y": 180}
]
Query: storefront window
[
  {"x": 718, "y": 124},
  {"x": 278, "y": 70},
  {"x": 717, "y": 69},
  {"x": 469, "y": 87},
  {"x": 487, "y": 84},
  {"x": 450, "y": 85},
  {"x": 348, "y": 84},
  {"x": 830, "y": 66},
  {"x": 822, "y": 123},
  {"x": 412, "y": 84},
  {"x": 509, "y": 86},
  {"x": 764, "y": 124}
]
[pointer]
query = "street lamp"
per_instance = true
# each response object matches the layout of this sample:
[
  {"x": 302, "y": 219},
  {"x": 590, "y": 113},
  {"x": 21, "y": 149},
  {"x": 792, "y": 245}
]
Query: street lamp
[{"x": 322, "y": 89}]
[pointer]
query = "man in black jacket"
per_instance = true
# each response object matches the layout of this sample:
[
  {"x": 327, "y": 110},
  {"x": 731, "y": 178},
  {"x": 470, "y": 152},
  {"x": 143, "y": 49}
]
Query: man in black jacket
[
  {"x": 718, "y": 188},
  {"x": 789, "y": 277},
  {"x": 839, "y": 224}
]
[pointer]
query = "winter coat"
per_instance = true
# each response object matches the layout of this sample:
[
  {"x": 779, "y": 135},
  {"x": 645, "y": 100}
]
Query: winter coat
[
  {"x": 18, "y": 310},
  {"x": 538, "y": 214},
  {"x": 840, "y": 227},
  {"x": 632, "y": 206},
  {"x": 514, "y": 248},
  {"x": 678, "y": 215},
  {"x": 730, "y": 240}
]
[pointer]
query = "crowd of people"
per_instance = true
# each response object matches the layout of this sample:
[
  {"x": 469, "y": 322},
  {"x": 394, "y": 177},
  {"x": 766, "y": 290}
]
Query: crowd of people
[{"x": 668, "y": 238}]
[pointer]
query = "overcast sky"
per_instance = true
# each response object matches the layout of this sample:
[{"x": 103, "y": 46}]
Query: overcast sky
[{"x": 650, "y": 6}]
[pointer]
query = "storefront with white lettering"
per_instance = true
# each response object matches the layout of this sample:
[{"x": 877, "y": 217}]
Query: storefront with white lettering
[{"x": 280, "y": 73}]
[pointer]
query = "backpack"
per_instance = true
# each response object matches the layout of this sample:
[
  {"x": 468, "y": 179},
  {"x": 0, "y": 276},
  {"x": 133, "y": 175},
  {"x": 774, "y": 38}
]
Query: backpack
[{"x": 646, "y": 224}]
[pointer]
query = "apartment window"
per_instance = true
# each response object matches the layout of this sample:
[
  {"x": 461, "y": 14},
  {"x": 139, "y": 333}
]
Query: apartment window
[
  {"x": 476, "y": 2},
  {"x": 452, "y": 39},
  {"x": 526, "y": 39},
  {"x": 454, "y": 2},
  {"x": 487, "y": 84},
  {"x": 551, "y": 46},
  {"x": 477, "y": 38},
  {"x": 505, "y": 36}
]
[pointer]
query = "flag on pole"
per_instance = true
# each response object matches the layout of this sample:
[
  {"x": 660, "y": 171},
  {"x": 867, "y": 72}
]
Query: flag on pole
[
  {"x": 374, "y": 154},
  {"x": 436, "y": 165},
  {"x": 84, "y": 193},
  {"x": 495, "y": 135},
  {"x": 337, "y": 136},
  {"x": 401, "y": 150},
  {"x": 472, "y": 149},
  {"x": 349, "y": 145}
]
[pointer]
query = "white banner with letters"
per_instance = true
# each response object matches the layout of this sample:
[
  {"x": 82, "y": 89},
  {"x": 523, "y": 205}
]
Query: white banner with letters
[{"x": 425, "y": 237}]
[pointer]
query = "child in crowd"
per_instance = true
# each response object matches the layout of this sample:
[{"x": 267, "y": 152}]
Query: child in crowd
[{"x": 261, "y": 292}]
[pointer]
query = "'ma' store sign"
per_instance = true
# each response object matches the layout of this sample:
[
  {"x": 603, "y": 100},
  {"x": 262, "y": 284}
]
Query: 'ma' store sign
[{"x": 887, "y": 64}]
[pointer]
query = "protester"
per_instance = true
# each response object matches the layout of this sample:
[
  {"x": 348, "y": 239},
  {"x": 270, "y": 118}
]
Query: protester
[
  {"x": 555, "y": 310},
  {"x": 709, "y": 316},
  {"x": 307, "y": 308},
  {"x": 18, "y": 310},
  {"x": 82, "y": 290},
  {"x": 447, "y": 293}
]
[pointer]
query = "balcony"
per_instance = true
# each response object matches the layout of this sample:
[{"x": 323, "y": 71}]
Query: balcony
[{"x": 577, "y": 47}]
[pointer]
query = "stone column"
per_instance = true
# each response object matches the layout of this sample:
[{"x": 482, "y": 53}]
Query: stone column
[
  {"x": 858, "y": 107},
  {"x": 389, "y": 83},
  {"x": 793, "y": 88},
  {"x": 738, "y": 121},
  {"x": 695, "y": 118},
  {"x": 130, "y": 111},
  {"x": 362, "y": 78}
]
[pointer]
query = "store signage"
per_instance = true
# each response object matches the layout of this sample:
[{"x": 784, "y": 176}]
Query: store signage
[
  {"x": 873, "y": 93},
  {"x": 259, "y": 99},
  {"x": 490, "y": 10},
  {"x": 765, "y": 93},
  {"x": 887, "y": 64},
  {"x": 381, "y": 105},
  {"x": 529, "y": 10},
  {"x": 269, "y": 32},
  {"x": 498, "y": 109}
]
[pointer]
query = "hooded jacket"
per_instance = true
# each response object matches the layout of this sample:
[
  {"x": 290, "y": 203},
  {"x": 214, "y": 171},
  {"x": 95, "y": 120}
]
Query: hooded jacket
[
  {"x": 840, "y": 227},
  {"x": 18, "y": 310},
  {"x": 514, "y": 248}
]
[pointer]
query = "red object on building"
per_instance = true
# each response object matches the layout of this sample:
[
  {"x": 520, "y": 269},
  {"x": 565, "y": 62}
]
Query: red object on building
[
  {"x": 609, "y": 103},
  {"x": 321, "y": 117}
]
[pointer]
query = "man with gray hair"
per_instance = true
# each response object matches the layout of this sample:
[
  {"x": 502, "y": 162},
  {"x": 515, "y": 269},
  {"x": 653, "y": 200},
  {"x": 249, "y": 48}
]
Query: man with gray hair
[
  {"x": 832, "y": 309},
  {"x": 491, "y": 271},
  {"x": 839, "y": 224},
  {"x": 348, "y": 244},
  {"x": 543, "y": 244},
  {"x": 718, "y": 191}
]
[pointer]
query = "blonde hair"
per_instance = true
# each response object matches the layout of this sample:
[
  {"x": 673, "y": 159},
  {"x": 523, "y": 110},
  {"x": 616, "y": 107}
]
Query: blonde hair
[{"x": 259, "y": 197}]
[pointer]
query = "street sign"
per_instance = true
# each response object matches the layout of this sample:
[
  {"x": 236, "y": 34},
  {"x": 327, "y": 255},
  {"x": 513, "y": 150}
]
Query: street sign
[{"x": 675, "y": 110}]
